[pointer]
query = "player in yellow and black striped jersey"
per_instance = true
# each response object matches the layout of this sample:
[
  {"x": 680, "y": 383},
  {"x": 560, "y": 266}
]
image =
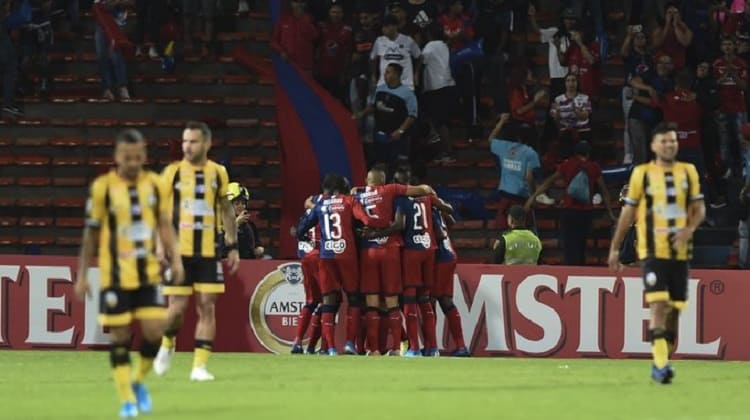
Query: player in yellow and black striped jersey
[
  {"x": 126, "y": 212},
  {"x": 198, "y": 201},
  {"x": 665, "y": 201}
]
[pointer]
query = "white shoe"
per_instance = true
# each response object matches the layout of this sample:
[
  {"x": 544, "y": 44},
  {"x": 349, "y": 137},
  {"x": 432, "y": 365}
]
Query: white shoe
[
  {"x": 139, "y": 51},
  {"x": 200, "y": 374},
  {"x": 152, "y": 53},
  {"x": 545, "y": 199},
  {"x": 107, "y": 94},
  {"x": 124, "y": 94},
  {"x": 163, "y": 360}
]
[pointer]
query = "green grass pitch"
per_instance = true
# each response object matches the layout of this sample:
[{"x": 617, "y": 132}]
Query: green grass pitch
[{"x": 77, "y": 385}]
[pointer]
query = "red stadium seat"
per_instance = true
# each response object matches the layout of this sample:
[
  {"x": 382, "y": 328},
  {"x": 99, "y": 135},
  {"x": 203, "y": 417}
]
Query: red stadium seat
[
  {"x": 8, "y": 240},
  {"x": 33, "y": 181},
  {"x": 35, "y": 221},
  {"x": 246, "y": 160},
  {"x": 68, "y": 181},
  {"x": 7, "y": 181},
  {"x": 237, "y": 79},
  {"x": 8, "y": 221},
  {"x": 73, "y": 222},
  {"x": 67, "y": 142},
  {"x": 239, "y": 101},
  {"x": 546, "y": 224},
  {"x": 68, "y": 161},
  {"x": 7, "y": 201},
  {"x": 468, "y": 225},
  {"x": 70, "y": 202},
  {"x": 473, "y": 243},
  {"x": 242, "y": 142},
  {"x": 34, "y": 202},
  {"x": 32, "y": 141},
  {"x": 32, "y": 160},
  {"x": 549, "y": 243},
  {"x": 69, "y": 240},
  {"x": 37, "y": 240}
]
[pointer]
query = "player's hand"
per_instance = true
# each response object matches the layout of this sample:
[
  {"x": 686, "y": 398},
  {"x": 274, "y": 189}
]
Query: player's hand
[
  {"x": 177, "y": 272},
  {"x": 82, "y": 289},
  {"x": 259, "y": 251},
  {"x": 233, "y": 259},
  {"x": 613, "y": 260},
  {"x": 681, "y": 238},
  {"x": 396, "y": 135}
]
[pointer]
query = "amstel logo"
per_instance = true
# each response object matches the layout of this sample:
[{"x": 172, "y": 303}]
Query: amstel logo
[{"x": 274, "y": 306}]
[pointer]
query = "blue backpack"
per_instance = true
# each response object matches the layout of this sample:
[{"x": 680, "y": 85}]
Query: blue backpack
[{"x": 578, "y": 189}]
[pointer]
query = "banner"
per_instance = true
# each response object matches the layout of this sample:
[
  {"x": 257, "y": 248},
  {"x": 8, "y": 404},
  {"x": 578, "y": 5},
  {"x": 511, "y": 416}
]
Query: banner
[{"x": 506, "y": 311}]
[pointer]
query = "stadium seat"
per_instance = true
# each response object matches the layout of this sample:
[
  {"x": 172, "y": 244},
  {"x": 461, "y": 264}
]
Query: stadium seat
[
  {"x": 35, "y": 221},
  {"x": 100, "y": 142},
  {"x": 33, "y": 181},
  {"x": 32, "y": 141},
  {"x": 468, "y": 225},
  {"x": 34, "y": 202},
  {"x": 8, "y": 240},
  {"x": 66, "y": 122},
  {"x": 7, "y": 181},
  {"x": 169, "y": 123},
  {"x": 246, "y": 160},
  {"x": 242, "y": 122},
  {"x": 473, "y": 243},
  {"x": 256, "y": 204},
  {"x": 200, "y": 79},
  {"x": 69, "y": 181},
  {"x": 8, "y": 221},
  {"x": 546, "y": 224},
  {"x": 37, "y": 240},
  {"x": 462, "y": 183},
  {"x": 242, "y": 142},
  {"x": 550, "y": 243},
  {"x": 551, "y": 260},
  {"x": 6, "y": 160},
  {"x": 70, "y": 202},
  {"x": 7, "y": 202},
  {"x": 68, "y": 161},
  {"x": 101, "y": 161},
  {"x": 101, "y": 122},
  {"x": 239, "y": 101},
  {"x": 203, "y": 101},
  {"x": 73, "y": 222},
  {"x": 237, "y": 79},
  {"x": 32, "y": 160},
  {"x": 67, "y": 142},
  {"x": 593, "y": 260}
]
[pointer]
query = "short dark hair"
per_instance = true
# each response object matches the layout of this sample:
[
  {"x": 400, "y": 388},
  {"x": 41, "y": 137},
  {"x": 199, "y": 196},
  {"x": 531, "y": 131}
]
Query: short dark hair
[
  {"x": 663, "y": 127},
  {"x": 402, "y": 175},
  {"x": 398, "y": 67},
  {"x": 129, "y": 136},
  {"x": 333, "y": 183},
  {"x": 199, "y": 125},
  {"x": 518, "y": 214}
]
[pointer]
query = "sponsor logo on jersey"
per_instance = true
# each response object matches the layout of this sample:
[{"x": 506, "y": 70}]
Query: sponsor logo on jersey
[
  {"x": 338, "y": 246},
  {"x": 423, "y": 239}
]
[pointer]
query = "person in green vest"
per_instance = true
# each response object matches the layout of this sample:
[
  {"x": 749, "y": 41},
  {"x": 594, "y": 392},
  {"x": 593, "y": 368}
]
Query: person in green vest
[{"x": 517, "y": 246}]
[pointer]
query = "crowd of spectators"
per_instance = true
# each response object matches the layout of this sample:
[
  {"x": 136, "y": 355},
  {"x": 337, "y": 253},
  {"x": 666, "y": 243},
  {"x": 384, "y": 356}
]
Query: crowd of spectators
[{"x": 684, "y": 61}]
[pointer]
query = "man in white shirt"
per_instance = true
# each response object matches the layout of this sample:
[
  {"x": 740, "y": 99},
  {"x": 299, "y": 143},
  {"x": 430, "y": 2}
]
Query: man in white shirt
[
  {"x": 440, "y": 97},
  {"x": 559, "y": 42},
  {"x": 394, "y": 47}
]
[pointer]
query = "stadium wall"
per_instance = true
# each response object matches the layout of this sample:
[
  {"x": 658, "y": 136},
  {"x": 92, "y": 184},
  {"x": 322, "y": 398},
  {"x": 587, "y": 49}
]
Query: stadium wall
[{"x": 507, "y": 311}]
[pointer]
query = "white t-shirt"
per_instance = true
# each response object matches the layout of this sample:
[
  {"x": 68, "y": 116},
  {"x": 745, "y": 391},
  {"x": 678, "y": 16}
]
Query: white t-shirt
[
  {"x": 556, "y": 70},
  {"x": 437, "y": 70},
  {"x": 399, "y": 51}
]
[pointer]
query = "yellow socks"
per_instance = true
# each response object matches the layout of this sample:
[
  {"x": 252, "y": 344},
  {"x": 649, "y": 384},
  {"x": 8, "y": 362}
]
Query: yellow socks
[{"x": 202, "y": 352}]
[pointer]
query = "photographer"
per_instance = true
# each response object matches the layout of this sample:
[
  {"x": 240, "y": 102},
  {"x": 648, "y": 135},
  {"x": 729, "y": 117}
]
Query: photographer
[{"x": 247, "y": 233}]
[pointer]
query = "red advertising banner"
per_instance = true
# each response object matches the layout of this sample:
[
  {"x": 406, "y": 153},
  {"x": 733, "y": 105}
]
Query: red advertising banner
[{"x": 507, "y": 311}]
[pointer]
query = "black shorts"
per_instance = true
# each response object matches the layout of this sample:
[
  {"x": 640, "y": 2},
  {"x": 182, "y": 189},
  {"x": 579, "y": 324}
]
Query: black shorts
[
  {"x": 118, "y": 308},
  {"x": 665, "y": 280},
  {"x": 440, "y": 105},
  {"x": 202, "y": 275}
]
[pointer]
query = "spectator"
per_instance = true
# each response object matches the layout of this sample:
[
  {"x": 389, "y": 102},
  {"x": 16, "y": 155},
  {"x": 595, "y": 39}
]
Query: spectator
[
  {"x": 516, "y": 163},
  {"x": 395, "y": 108},
  {"x": 36, "y": 41},
  {"x": 628, "y": 255},
  {"x": 151, "y": 16},
  {"x": 190, "y": 22},
  {"x": 394, "y": 47},
  {"x": 707, "y": 89},
  {"x": 405, "y": 27},
  {"x": 420, "y": 14},
  {"x": 582, "y": 59},
  {"x": 581, "y": 175},
  {"x": 8, "y": 63},
  {"x": 334, "y": 52},
  {"x": 643, "y": 117},
  {"x": 294, "y": 37},
  {"x": 458, "y": 32},
  {"x": 559, "y": 41},
  {"x": 738, "y": 26},
  {"x": 494, "y": 21},
  {"x": 112, "y": 69},
  {"x": 518, "y": 246},
  {"x": 247, "y": 232},
  {"x": 571, "y": 111},
  {"x": 638, "y": 61},
  {"x": 744, "y": 223},
  {"x": 681, "y": 107},
  {"x": 673, "y": 36},
  {"x": 523, "y": 105},
  {"x": 730, "y": 72},
  {"x": 365, "y": 35},
  {"x": 439, "y": 99}
]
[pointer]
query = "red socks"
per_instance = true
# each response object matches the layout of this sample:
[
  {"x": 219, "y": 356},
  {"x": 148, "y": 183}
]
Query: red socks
[
  {"x": 303, "y": 321},
  {"x": 428, "y": 325},
  {"x": 412, "y": 325}
]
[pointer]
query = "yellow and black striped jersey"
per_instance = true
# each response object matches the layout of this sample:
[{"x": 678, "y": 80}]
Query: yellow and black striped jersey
[
  {"x": 194, "y": 199},
  {"x": 662, "y": 196},
  {"x": 127, "y": 215}
]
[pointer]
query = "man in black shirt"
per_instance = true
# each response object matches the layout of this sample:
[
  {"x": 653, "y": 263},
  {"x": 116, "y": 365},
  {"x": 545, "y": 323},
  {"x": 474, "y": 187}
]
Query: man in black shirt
[{"x": 247, "y": 233}]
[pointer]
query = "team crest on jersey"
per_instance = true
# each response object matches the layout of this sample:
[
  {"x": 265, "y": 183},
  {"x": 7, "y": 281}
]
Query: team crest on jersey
[
  {"x": 274, "y": 306},
  {"x": 338, "y": 246}
]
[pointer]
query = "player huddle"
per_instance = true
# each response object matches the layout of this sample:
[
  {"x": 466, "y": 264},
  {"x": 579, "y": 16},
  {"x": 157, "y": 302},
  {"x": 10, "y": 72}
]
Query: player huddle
[{"x": 385, "y": 247}]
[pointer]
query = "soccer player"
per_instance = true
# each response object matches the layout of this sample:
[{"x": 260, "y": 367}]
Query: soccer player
[
  {"x": 308, "y": 251},
  {"x": 445, "y": 267},
  {"x": 665, "y": 201},
  {"x": 418, "y": 265},
  {"x": 380, "y": 264},
  {"x": 126, "y": 210},
  {"x": 197, "y": 198},
  {"x": 336, "y": 211}
]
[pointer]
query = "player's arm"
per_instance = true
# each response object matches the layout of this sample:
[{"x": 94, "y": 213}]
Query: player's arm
[
  {"x": 542, "y": 188},
  {"x": 441, "y": 205},
  {"x": 627, "y": 217},
  {"x": 96, "y": 214},
  {"x": 309, "y": 203},
  {"x": 307, "y": 222},
  {"x": 398, "y": 224},
  {"x": 499, "y": 250},
  {"x": 230, "y": 233},
  {"x": 419, "y": 190}
]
